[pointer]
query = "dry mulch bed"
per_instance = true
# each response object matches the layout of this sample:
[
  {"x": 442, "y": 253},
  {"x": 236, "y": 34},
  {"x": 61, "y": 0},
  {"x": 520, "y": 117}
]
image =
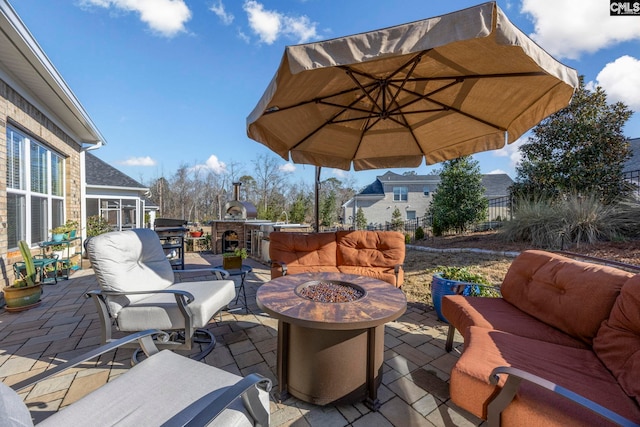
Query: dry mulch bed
[{"x": 419, "y": 264}]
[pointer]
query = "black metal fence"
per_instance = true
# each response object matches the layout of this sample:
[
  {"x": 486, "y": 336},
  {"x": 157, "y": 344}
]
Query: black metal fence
[
  {"x": 633, "y": 179},
  {"x": 500, "y": 209}
]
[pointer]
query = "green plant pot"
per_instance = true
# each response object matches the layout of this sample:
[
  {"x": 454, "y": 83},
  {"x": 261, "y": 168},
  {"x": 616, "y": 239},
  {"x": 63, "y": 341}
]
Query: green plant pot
[
  {"x": 57, "y": 237},
  {"x": 19, "y": 299}
]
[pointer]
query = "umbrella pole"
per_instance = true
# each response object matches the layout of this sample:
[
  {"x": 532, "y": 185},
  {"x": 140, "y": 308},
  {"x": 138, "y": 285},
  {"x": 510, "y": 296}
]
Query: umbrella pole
[{"x": 317, "y": 204}]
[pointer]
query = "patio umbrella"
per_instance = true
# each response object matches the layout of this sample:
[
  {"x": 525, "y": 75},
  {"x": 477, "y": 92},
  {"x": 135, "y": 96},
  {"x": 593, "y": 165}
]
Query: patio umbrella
[{"x": 435, "y": 89}]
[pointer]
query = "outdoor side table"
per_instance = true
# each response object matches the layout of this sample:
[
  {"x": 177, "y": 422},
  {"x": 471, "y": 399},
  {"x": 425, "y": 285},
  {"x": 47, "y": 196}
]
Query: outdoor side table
[{"x": 242, "y": 272}]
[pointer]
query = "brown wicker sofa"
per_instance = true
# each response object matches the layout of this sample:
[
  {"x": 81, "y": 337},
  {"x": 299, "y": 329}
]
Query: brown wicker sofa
[
  {"x": 563, "y": 331},
  {"x": 378, "y": 254}
]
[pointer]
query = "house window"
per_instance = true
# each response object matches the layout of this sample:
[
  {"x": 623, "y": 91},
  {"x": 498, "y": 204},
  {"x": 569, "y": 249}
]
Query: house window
[
  {"x": 35, "y": 189},
  {"x": 425, "y": 191},
  {"x": 400, "y": 194},
  {"x": 411, "y": 215}
]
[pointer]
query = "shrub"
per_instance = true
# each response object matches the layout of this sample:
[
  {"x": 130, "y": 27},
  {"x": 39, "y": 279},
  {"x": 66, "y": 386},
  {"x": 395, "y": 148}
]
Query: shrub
[
  {"x": 571, "y": 219},
  {"x": 97, "y": 225},
  {"x": 462, "y": 274},
  {"x": 419, "y": 233}
]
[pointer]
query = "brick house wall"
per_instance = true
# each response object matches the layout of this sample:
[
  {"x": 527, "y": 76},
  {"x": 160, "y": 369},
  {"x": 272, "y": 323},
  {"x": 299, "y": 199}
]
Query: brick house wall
[{"x": 16, "y": 111}]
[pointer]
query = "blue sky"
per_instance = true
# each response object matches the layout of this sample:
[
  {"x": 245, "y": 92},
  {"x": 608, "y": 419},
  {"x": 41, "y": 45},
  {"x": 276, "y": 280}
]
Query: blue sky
[{"x": 171, "y": 82}]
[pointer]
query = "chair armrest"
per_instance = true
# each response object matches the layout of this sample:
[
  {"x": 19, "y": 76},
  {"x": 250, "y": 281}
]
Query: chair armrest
[
  {"x": 515, "y": 376},
  {"x": 247, "y": 388},
  {"x": 179, "y": 293},
  {"x": 282, "y": 265},
  {"x": 218, "y": 272},
  {"x": 144, "y": 337}
]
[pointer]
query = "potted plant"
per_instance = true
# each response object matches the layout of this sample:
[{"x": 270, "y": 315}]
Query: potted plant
[
  {"x": 25, "y": 291},
  {"x": 459, "y": 280},
  {"x": 71, "y": 227},
  {"x": 58, "y": 233},
  {"x": 233, "y": 260}
]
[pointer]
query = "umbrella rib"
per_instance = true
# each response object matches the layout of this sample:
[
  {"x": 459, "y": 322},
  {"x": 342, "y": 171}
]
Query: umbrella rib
[
  {"x": 363, "y": 89},
  {"x": 448, "y": 107},
  {"x": 272, "y": 109},
  {"x": 406, "y": 77},
  {"x": 331, "y": 120}
]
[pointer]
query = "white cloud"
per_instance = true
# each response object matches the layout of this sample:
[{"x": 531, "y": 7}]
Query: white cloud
[
  {"x": 339, "y": 173},
  {"x": 567, "y": 28},
  {"x": 271, "y": 24},
  {"x": 215, "y": 165},
  {"x": 166, "y": 17},
  {"x": 288, "y": 167},
  {"x": 139, "y": 161},
  {"x": 621, "y": 81},
  {"x": 496, "y": 172},
  {"x": 242, "y": 36},
  {"x": 512, "y": 151},
  {"x": 218, "y": 9}
]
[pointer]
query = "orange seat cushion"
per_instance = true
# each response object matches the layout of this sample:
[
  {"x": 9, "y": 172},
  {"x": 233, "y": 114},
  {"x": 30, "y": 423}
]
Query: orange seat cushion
[
  {"x": 496, "y": 313},
  {"x": 576, "y": 369}
]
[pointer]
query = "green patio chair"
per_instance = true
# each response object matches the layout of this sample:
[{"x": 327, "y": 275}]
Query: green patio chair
[{"x": 34, "y": 267}]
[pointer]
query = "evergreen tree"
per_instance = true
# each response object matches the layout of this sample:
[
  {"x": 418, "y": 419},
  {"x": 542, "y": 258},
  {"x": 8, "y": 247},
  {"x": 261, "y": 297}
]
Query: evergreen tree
[
  {"x": 459, "y": 199},
  {"x": 328, "y": 213},
  {"x": 397, "y": 223},
  {"x": 299, "y": 208},
  {"x": 361, "y": 221},
  {"x": 579, "y": 149}
]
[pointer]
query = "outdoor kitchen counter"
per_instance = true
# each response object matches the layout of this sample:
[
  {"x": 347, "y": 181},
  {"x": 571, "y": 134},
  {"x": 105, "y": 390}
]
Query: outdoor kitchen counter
[{"x": 331, "y": 353}]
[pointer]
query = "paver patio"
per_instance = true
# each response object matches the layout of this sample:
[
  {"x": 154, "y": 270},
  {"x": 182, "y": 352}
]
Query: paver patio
[{"x": 414, "y": 389}]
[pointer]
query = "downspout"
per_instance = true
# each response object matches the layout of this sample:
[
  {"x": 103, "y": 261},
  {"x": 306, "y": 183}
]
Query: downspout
[{"x": 83, "y": 187}]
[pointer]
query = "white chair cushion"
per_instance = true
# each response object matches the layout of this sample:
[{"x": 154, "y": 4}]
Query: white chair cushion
[
  {"x": 160, "y": 311},
  {"x": 153, "y": 392},
  {"x": 131, "y": 260},
  {"x": 13, "y": 411}
]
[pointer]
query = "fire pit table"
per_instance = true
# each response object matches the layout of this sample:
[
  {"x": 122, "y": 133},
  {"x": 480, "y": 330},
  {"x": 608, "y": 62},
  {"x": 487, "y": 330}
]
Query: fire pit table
[{"x": 331, "y": 352}]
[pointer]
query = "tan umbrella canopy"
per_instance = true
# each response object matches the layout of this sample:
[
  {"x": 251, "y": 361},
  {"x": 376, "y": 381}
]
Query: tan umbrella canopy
[{"x": 436, "y": 89}]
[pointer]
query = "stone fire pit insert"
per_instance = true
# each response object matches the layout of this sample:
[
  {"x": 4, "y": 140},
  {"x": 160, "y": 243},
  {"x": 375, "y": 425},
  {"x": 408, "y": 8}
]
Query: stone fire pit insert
[{"x": 330, "y": 352}]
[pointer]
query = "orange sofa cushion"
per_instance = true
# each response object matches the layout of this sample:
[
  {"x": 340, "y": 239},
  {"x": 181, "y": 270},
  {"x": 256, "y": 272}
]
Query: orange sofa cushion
[
  {"x": 576, "y": 369},
  {"x": 618, "y": 341},
  {"x": 573, "y": 296},
  {"x": 303, "y": 252},
  {"x": 496, "y": 313},
  {"x": 372, "y": 253},
  {"x": 366, "y": 253}
]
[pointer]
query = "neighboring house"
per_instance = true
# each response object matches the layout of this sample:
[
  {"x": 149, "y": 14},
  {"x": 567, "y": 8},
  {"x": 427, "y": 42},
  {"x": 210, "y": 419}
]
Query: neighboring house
[
  {"x": 412, "y": 194},
  {"x": 115, "y": 196},
  {"x": 633, "y": 164},
  {"x": 44, "y": 131}
]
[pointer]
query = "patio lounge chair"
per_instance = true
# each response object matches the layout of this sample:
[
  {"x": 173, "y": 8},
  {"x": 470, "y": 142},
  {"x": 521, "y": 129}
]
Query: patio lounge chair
[
  {"x": 165, "y": 389},
  {"x": 138, "y": 291}
]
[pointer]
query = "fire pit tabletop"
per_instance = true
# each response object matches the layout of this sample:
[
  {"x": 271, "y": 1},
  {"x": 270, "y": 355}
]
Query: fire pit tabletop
[{"x": 381, "y": 303}]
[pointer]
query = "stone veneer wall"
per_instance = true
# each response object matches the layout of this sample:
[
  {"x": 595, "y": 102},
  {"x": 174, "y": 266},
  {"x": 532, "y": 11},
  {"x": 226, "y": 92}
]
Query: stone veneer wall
[{"x": 19, "y": 113}]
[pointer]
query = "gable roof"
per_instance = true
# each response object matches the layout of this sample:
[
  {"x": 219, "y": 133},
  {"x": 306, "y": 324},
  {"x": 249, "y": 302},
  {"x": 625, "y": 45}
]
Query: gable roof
[
  {"x": 495, "y": 185},
  {"x": 99, "y": 173},
  {"x": 633, "y": 164},
  {"x": 28, "y": 70}
]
